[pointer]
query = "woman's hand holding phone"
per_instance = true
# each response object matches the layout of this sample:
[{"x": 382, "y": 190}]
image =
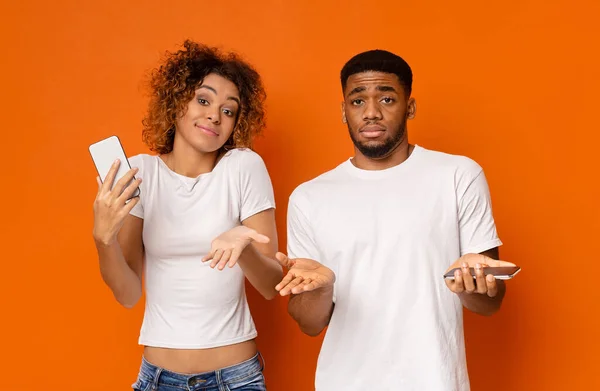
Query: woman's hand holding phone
[{"x": 111, "y": 206}]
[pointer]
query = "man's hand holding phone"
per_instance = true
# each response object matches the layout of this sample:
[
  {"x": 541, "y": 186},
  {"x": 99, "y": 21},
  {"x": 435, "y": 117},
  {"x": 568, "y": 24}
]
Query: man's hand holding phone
[{"x": 462, "y": 280}]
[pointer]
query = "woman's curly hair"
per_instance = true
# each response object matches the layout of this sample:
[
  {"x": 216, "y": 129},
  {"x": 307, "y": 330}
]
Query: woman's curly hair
[{"x": 173, "y": 84}]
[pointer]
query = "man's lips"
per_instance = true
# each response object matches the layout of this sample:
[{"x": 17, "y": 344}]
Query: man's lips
[{"x": 372, "y": 131}]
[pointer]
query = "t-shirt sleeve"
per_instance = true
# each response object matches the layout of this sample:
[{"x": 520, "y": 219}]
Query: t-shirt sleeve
[
  {"x": 138, "y": 162},
  {"x": 300, "y": 238},
  {"x": 301, "y": 242},
  {"x": 476, "y": 221},
  {"x": 256, "y": 187}
]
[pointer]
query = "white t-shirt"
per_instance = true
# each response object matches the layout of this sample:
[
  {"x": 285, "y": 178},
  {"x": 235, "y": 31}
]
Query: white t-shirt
[
  {"x": 389, "y": 236},
  {"x": 188, "y": 304}
]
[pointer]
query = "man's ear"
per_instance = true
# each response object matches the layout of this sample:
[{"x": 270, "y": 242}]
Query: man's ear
[{"x": 411, "y": 109}]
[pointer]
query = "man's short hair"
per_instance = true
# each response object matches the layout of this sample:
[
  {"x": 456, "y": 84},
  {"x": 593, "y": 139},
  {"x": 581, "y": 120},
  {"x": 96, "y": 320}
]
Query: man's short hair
[{"x": 378, "y": 61}]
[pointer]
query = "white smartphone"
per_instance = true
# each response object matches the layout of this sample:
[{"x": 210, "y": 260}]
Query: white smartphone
[
  {"x": 104, "y": 153},
  {"x": 500, "y": 273}
]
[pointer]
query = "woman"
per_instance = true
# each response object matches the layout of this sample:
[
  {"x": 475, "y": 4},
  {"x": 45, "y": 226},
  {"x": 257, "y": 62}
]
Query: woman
[{"x": 194, "y": 229}]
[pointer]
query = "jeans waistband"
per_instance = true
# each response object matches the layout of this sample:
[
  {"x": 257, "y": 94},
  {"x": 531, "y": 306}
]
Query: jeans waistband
[{"x": 234, "y": 373}]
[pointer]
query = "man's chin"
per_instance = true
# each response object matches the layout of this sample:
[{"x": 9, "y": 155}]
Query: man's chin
[
  {"x": 375, "y": 153},
  {"x": 377, "y": 148}
]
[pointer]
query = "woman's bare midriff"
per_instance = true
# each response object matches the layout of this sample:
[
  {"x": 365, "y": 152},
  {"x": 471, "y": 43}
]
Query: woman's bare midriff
[{"x": 192, "y": 361}]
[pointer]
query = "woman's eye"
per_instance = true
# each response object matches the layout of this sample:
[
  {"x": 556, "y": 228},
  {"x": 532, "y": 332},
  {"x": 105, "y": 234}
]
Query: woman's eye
[
  {"x": 203, "y": 102},
  {"x": 228, "y": 112}
]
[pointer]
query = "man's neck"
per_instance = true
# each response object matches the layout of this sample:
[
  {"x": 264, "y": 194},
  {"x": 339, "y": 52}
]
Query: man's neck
[{"x": 398, "y": 156}]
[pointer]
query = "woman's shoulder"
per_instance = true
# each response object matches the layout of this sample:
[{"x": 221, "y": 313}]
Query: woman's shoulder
[
  {"x": 242, "y": 154},
  {"x": 143, "y": 161},
  {"x": 243, "y": 159}
]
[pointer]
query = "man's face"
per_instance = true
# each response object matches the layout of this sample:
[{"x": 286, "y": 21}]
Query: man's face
[{"x": 375, "y": 109}]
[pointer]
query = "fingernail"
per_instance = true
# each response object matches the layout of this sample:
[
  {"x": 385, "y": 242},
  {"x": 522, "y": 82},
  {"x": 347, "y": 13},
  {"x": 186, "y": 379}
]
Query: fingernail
[
  {"x": 465, "y": 264},
  {"x": 116, "y": 161},
  {"x": 478, "y": 265}
]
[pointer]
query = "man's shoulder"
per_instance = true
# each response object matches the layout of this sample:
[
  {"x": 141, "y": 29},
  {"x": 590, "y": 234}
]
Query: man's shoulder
[
  {"x": 321, "y": 184},
  {"x": 456, "y": 163}
]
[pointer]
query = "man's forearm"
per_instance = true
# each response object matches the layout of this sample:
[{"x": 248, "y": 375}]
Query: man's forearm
[
  {"x": 312, "y": 310},
  {"x": 483, "y": 304}
]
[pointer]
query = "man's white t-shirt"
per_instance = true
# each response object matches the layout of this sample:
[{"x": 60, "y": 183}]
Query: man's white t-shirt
[{"x": 389, "y": 236}]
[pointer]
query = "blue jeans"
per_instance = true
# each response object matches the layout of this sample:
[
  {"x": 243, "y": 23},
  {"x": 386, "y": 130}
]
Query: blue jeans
[{"x": 245, "y": 376}]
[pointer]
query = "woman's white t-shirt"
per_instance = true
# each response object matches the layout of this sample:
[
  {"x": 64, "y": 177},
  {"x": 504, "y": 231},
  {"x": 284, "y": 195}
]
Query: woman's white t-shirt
[{"x": 188, "y": 304}]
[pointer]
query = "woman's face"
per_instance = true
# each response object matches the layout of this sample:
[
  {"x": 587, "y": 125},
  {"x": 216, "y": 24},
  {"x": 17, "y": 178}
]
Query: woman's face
[{"x": 210, "y": 116}]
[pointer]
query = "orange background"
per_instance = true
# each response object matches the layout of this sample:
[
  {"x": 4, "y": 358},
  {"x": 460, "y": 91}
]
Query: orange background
[{"x": 511, "y": 84}]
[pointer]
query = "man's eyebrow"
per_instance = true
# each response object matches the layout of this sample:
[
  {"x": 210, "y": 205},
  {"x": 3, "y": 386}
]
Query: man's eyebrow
[
  {"x": 357, "y": 90},
  {"x": 383, "y": 88},
  {"x": 386, "y": 88}
]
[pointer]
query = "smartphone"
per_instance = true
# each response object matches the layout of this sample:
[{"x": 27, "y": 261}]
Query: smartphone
[
  {"x": 501, "y": 273},
  {"x": 104, "y": 153}
]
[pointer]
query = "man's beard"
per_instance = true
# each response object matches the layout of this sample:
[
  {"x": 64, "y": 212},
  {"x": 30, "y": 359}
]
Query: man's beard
[{"x": 380, "y": 150}]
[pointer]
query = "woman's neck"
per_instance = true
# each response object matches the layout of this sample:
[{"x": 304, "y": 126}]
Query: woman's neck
[{"x": 187, "y": 161}]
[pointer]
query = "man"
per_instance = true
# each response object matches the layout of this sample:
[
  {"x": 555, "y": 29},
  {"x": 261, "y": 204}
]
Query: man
[{"x": 369, "y": 242}]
